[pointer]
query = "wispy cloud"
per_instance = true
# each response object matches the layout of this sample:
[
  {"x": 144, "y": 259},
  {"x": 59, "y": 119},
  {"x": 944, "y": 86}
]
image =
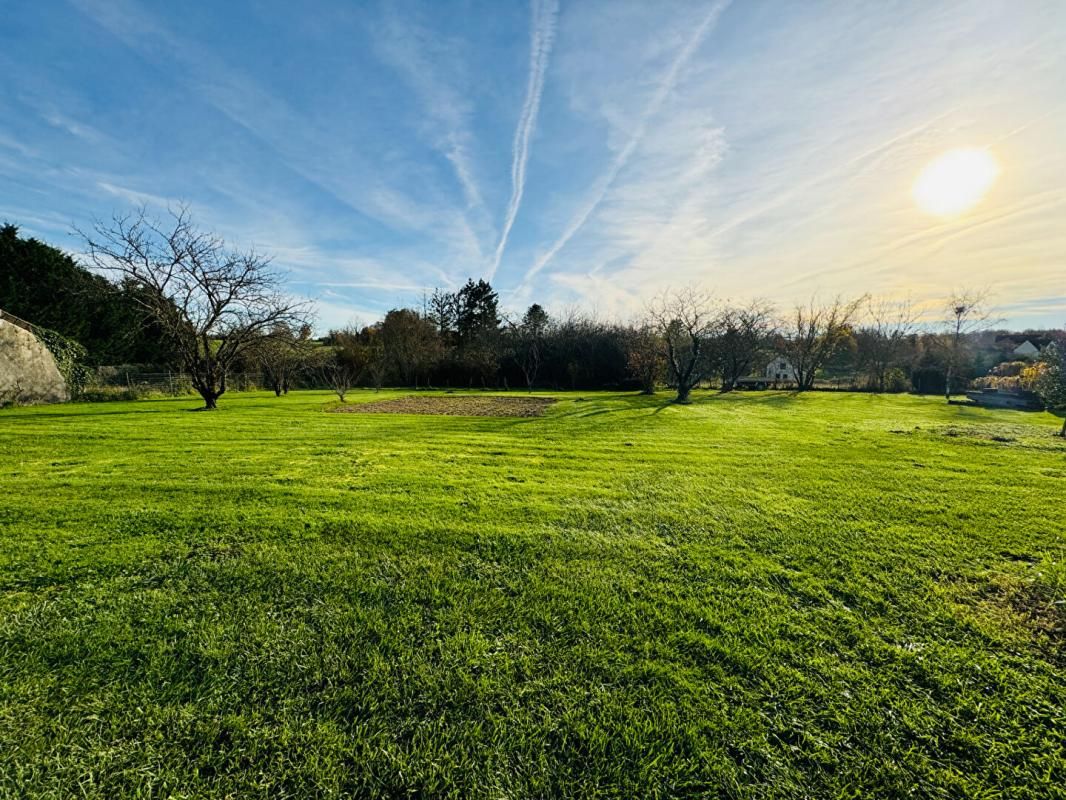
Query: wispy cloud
[
  {"x": 135, "y": 197},
  {"x": 395, "y": 193},
  {"x": 585, "y": 154},
  {"x": 11, "y": 143},
  {"x": 545, "y": 15},
  {"x": 425, "y": 61},
  {"x": 603, "y": 184},
  {"x": 75, "y": 128}
]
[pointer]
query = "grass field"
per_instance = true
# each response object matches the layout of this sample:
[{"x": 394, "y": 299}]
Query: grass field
[{"x": 756, "y": 596}]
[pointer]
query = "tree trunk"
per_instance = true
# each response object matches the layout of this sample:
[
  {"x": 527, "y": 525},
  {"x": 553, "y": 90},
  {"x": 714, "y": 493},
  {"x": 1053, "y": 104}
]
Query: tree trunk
[
  {"x": 208, "y": 389},
  {"x": 682, "y": 394}
]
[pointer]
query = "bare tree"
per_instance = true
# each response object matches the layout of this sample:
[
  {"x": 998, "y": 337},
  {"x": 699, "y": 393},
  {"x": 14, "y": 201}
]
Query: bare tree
[
  {"x": 967, "y": 313},
  {"x": 410, "y": 342},
  {"x": 885, "y": 337},
  {"x": 377, "y": 365},
  {"x": 684, "y": 320},
  {"x": 283, "y": 355},
  {"x": 527, "y": 337},
  {"x": 744, "y": 332},
  {"x": 347, "y": 358},
  {"x": 339, "y": 374},
  {"x": 213, "y": 303},
  {"x": 815, "y": 334},
  {"x": 644, "y": 357}
]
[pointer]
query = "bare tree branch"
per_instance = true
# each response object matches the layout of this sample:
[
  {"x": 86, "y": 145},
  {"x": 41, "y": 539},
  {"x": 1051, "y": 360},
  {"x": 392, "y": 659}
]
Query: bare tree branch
[
  {"x": 967, "y": 312},
  {"x": 214, "y": 303},
  {"x": 814, "y": 335},
  {"x": 684, "y": 319}
]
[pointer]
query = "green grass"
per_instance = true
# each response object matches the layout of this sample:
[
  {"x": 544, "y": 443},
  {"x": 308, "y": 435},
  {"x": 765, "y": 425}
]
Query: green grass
[{"x": 756, "y": 596}]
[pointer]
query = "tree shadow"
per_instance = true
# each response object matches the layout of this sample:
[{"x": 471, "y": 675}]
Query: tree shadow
[
  {"x": 86, "y": 410},
  {"x": 769, "y": 397}
]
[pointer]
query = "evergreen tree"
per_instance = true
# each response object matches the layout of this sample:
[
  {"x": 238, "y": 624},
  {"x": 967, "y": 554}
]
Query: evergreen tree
[{"x": 46, "y": 287}]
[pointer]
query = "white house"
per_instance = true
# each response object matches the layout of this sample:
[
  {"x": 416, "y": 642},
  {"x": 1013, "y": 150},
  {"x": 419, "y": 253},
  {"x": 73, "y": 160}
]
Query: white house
[
  {"x": 1021, "y": 345},
  {"x": 780, "y": 370}
]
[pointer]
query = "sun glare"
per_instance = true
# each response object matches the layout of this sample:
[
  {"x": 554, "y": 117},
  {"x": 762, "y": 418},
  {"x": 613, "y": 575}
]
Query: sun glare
[{"x": 955, "y": 182}]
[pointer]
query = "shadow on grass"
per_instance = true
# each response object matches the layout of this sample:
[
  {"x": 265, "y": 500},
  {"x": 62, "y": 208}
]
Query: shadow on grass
[
  {"x": 101, "y": 409},
  {"x": 767, "y": 398},
  {"x": 627, "y": 402}
]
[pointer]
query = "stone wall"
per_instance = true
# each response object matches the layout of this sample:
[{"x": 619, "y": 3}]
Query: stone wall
[{"x": 28, "y": 373}]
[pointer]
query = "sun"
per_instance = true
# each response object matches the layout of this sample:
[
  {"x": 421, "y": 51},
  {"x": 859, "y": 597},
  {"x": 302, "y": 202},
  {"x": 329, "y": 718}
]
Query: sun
[{"x": 955, "y": 182}]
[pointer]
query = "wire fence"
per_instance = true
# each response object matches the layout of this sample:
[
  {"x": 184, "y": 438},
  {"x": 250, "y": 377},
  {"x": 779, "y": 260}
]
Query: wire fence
[
  {"x": 129, "y": 380},
  {"x": 137, "y": 381}
]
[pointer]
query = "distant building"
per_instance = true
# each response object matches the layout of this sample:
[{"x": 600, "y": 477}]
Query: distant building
[
  {"x": 780, "y": 370},
  {"x": 1023, "y": 346},
  {"x": 1026, "y": 349},
  {"x": 28, "y": 370}
]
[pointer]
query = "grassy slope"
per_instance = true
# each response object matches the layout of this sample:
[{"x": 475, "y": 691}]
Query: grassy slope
[{"x": 754, "y": 596}]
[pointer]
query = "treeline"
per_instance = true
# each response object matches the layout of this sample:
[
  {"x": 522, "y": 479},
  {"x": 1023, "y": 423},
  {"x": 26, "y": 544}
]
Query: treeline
[
  {"x": 463, "y": 339},
  {"x": 686, "y": 340},
  {"x": 178, "y": 297}
]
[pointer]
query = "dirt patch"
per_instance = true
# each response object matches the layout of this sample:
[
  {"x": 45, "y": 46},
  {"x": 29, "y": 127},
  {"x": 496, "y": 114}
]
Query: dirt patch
[
  {"x": 1025, "y": 598},
  {"x": 1028, "y": 602},
  {"x": 1030, "y": 437},
  {"x": 461, "y": 406}
]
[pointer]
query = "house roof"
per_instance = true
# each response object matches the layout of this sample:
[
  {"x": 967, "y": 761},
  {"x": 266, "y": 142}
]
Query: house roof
[{"x": 1020, "y": 339}]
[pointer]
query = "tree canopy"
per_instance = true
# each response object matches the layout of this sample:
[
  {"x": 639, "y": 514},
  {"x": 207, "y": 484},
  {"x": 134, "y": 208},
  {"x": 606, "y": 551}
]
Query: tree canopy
[{"x": 46, "y": 287}]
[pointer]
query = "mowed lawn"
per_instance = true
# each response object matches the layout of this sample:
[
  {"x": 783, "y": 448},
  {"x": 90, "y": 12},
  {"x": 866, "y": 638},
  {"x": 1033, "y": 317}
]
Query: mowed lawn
[{"x": 756, "y": 596}]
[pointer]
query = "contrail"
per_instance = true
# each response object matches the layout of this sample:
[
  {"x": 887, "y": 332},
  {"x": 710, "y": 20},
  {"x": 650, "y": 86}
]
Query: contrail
[
  {"x": 603, "y": 184},
  {"x": 545, "y": 15}
]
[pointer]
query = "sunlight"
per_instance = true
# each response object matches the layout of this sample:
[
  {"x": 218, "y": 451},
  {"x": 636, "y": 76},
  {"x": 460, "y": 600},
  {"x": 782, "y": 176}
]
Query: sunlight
[{"x": 955, "y": 182}]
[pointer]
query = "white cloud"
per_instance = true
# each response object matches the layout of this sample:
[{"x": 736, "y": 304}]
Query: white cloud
[
  {"x": 135, "y": 197},
  {"x": 545, "y": 13},
  {"x": 662, "y": 91},
  {"x": 809, "y": 147},
  {"x": 768, "y": 150}
]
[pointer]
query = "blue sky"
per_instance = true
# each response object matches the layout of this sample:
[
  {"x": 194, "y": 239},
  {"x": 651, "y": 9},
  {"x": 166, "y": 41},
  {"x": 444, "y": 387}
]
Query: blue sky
[{"x": 581, "y": 154}]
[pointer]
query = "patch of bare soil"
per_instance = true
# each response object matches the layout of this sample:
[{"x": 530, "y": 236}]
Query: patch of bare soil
[
  {"x": 1030, "y": 437},
  {"x": 1014, "y": 601},
  {"x": 1031, "y": 606},
  {"x": 459, "y": 406}
]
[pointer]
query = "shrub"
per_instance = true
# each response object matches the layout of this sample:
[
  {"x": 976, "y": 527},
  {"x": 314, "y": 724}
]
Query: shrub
[
  {"x": 103, "y": 394},
  {"x": 1012, "y": 376},
  {"x": 896, "y": 381},
  {"x": 69, "y": 357},
  {"x": 1050, "y": 381}
]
